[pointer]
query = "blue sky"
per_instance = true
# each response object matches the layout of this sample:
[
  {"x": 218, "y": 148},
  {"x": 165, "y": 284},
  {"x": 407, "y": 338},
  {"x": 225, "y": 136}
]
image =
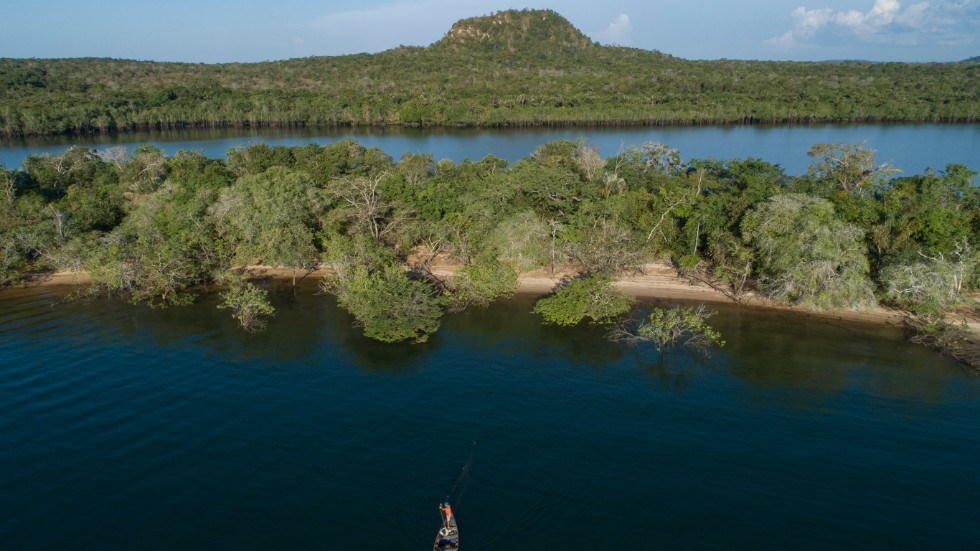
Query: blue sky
[{"x": 252, "y": 30}]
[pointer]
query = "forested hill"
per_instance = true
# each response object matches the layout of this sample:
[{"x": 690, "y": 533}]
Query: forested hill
[
  {"x": 541, "y": 33},
  {"x": 513, "y": 68}
]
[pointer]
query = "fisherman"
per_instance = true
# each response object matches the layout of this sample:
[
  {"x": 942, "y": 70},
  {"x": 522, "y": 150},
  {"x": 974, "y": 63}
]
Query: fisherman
[{"x": 448, "y": 511}]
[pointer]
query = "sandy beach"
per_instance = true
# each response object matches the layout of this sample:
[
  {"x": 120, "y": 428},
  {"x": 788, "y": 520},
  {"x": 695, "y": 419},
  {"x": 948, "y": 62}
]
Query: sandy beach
[{"x": 655, "y": 280}]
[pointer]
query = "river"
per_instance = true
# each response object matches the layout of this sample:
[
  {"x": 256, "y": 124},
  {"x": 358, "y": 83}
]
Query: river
[
  {"x": 910, "y": 147},
  {"x": 127, "y": 427}
]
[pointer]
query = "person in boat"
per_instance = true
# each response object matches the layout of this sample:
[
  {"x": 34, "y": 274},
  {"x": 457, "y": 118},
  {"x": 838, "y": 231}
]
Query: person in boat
[{"x": 447, "y": 511}]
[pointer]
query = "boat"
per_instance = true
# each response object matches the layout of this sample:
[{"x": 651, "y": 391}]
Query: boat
[{"x": 447, "y": 539}]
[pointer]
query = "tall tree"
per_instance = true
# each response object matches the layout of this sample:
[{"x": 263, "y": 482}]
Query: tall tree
[
  {"x": 806, "y": 255},
  {"x": 848, "y": 168},
  {"x": 390, "y": 306},
  {"x": 271, "y": 218},
  {"x": 360, "y": 200}
]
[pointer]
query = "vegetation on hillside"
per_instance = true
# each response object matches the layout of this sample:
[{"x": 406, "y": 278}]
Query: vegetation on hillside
[
  {"x": 154, "y": 229},
  {"x": 513, "y": 68}
]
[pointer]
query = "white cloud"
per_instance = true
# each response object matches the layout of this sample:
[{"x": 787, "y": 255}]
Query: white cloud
[
  {"x": 806, "y": 24},
  {"x": 620, "y": 31},
  {"x": 882, "y": 15},
  {"x": 885, "y": 22}
]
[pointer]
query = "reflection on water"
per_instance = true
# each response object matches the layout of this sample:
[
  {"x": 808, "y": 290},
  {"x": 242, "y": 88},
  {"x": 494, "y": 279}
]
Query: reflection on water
[
  {"x": 765, "y": 349},
  {"x": 124, "y": 424},
  {"x": 824, "y": 357},
  {"x": 910, "y": 147}
]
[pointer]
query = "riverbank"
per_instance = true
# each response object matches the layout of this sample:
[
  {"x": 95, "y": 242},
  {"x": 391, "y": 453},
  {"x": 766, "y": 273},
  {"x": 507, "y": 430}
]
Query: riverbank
[{"x": 655, "y": 281}]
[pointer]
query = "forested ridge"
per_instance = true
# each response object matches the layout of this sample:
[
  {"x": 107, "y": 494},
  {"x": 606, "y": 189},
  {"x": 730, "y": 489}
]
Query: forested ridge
[
  {"x": 849, "y": 234},
  {"x": 512, "y": 68}
]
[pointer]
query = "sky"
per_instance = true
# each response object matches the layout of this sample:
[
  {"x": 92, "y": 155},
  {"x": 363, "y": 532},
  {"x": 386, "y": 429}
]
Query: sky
[{"x": 213, "y": 31}]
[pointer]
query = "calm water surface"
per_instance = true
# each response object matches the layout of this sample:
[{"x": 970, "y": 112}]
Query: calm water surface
[
  {"x": 910, "y": 147},
  {"x": 131, "y": 428}
]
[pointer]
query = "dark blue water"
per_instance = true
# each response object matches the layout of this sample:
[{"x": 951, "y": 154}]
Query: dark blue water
[
  {"x": 912, "y": 148},
  {"x": 125, "y": 427}
]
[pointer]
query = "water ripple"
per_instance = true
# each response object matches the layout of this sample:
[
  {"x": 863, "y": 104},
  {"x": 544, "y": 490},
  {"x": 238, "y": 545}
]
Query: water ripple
[{"x": 124, "y": 425}]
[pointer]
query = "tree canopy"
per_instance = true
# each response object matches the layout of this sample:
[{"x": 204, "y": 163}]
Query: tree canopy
[
  {"x": 591, "y": 298},
  {"x": 807, "y": 255},
  {"x": 157, "y": 229}
]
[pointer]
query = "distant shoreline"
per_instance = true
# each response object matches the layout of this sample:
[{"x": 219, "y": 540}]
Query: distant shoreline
[
  {"x": 514, "y": 68},
  {"x": 570, "y": 123}
]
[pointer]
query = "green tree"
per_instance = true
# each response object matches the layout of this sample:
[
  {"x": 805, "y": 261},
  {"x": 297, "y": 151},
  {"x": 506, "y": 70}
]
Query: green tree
[
  {"x": 928, "y": 289},
  {"x": 251, "y": 159},
  {"x": 848, "y": 168},
  {"x": 416, "y": 168},
  {"x": 390, "y": 306},
  {"x": 730, "y": 189},
  {"x": 552, "y": 189},
  {"x": 192, "y": 170},
  {"x": 52, "y": 175},
  {"x": 592, "y": 298},
  {"x": 805, "y": 255},
  {"x": 668, "y": 328},
  {"x": 271, "y": 218},
  {"x": 607, "y": 247},
  {"x": 145, "y": 170},
  {"x": 344, "y": 254},
  {"x": 729, "y": 270},
  {"x": 165, "y": 246},
  {"x": 557, "y": 153},
  {"x": 930, "y": 285},
  {"x": 480, "y": 283},
  {"x": 931, "y": 211},
  {"x": 249, "y": 304},
  {"x": 92, "y": 205},
  {"x": 523, "y": 240},
  {"x": 361, "y": 203},
  {"x": 26, "y": 231}
]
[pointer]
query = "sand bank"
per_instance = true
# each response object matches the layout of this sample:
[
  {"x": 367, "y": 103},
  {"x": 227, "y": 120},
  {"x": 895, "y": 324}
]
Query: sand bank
[{"x": 654, "y": 281}]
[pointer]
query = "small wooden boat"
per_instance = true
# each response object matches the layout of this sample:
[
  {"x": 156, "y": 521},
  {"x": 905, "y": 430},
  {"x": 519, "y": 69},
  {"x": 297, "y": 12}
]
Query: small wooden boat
[{"x": 447, "y": 539}]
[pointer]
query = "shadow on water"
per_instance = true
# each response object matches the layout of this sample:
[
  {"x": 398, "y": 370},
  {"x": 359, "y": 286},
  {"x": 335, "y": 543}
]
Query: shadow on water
[
  {"x": 372, "y": 355},
  {"x": 305, "y": 305},
  {"x": 676, "y": 370},
  {"x": 508, "y": 326},
  {"x": 205, "y": 326},
  {"x": 765, "y": 349},
  {"x": 783, "y": 350}
]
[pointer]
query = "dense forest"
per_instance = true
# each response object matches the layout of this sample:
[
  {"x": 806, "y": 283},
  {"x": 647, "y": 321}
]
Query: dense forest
[
  {"x": 849, "y": 234},
  {"x": 512, "y": 68}
]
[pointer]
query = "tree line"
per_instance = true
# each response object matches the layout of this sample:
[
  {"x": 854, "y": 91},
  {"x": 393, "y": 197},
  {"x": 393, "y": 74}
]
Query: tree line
[
  {"x": 528, "y": 68},
  {"x": 849, "y": 234}
]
